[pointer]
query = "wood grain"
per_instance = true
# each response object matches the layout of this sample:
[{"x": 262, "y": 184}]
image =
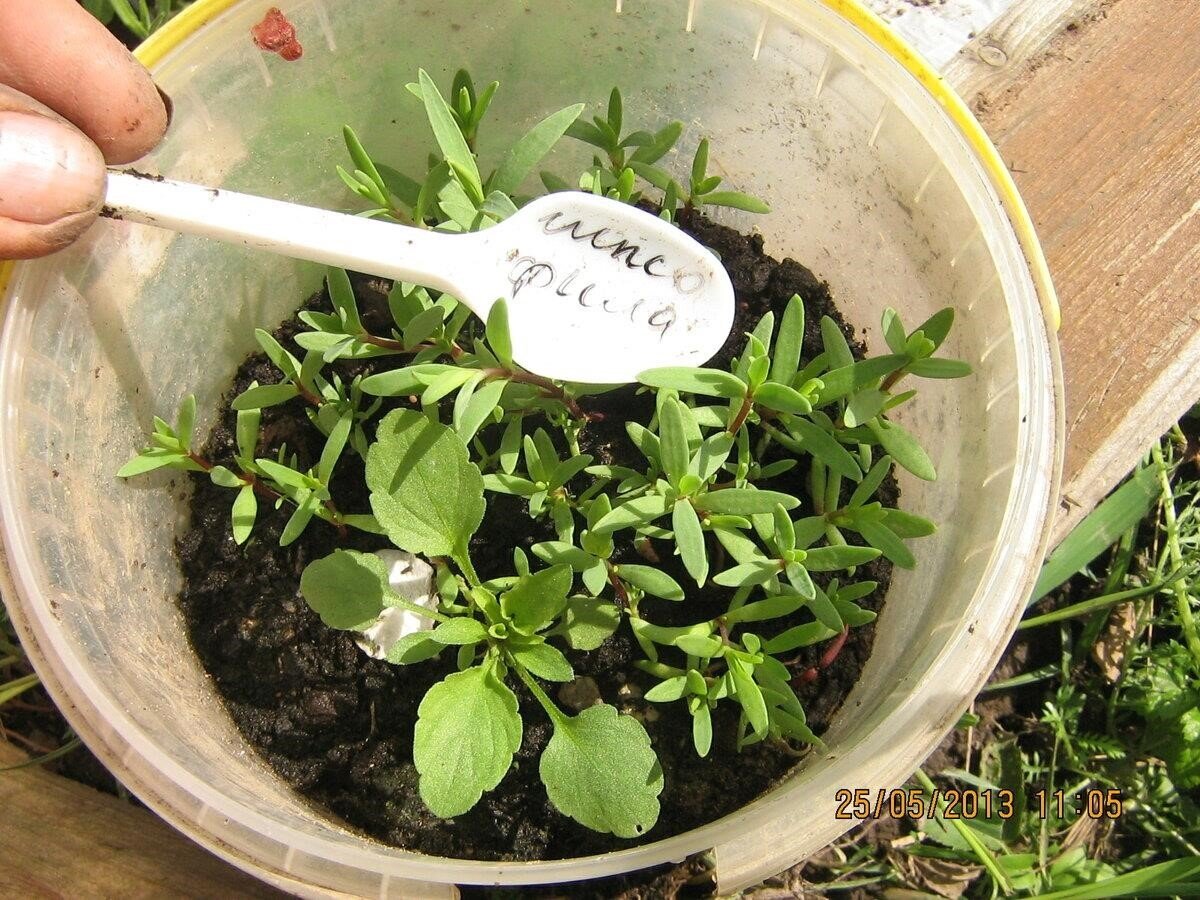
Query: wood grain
[
  {"x": 1103, "y": 138},
  {"x": 1103, "y": 135},
  {"x": 1003, "y": 52},
  {"x": 62, "y": 839}
]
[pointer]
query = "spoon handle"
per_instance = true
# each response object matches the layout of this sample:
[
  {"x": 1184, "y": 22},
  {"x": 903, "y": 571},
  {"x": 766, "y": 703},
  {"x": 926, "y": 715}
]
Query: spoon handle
[{"x": 289, "y": 229}]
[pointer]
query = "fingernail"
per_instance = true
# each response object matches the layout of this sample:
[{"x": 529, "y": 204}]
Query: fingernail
[
  {"x": 47, "y": 170},
  {"x": 168, "y": 103}
]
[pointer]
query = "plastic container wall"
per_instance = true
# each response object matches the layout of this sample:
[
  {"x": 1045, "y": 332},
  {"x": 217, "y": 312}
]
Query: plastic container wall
[{"x": 872, "y": 186}]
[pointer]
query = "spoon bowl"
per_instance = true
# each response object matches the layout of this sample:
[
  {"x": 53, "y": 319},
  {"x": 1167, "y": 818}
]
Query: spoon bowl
[{"x": 597, "y": 290}]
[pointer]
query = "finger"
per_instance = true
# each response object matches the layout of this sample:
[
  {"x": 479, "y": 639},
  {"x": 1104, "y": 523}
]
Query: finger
[
  {"x": 51, "y": 179},
  {"x": 57, "y": 53}
]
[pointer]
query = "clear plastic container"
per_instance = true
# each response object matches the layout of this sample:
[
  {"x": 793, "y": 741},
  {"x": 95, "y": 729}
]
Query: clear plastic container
[{"x": 879, "y": 181}]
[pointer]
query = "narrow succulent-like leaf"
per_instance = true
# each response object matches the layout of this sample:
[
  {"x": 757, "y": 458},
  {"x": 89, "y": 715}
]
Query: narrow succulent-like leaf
[
  {"x": 773, "y": 607},
  {"x": 937, "y": 326},
  {"x": 735, "y": 200},
  {"x": 664, "y": 139},
  {"x": 831, "y": 559},
  {"x": 639, "y": 511},
  {"x": 299, "y": 520},
  {"x": 653, "y": 581},
  {"x": 447, "y": 133},
  {"x": 866, "y": 488},
  {"x": 342, "y": 296},
  {"x": 530, "y": 149},
  {"x": 560, "y": 552},
  {"x": 893, "y": 331},
  {"x": 821, "y": 444},
  {"x": 243, "y": 514},
  {"x": 798, "y": 577},
  {"x": 510, "y": 445},
  {"x": 673, "y": 445},
  {"x": 845, "y": 380},
  {"x": 334, "y": 445},
  {"x": 689, "y": 538},
  {"x": 248, "y": 421},
  {"x": 264, "y": 395},
  {"x": 669, "y": 690},
  {"x": 903, "y": 447},
  {"x": 498, "y": 335},
  {"x": 509, "y": 484},
  {"x": 567, "y": 469},
  {"x": 782, "y": 398},
  {"x": 466, "y": 734},
  {"x": 882, "y": 537},
  {"x": 940, "y": 368},
  {"x": 837, "y": 351},
  {"x": 149, "y": 460},
  {"x": 744, "y": 501},
  {"x": 800, "y": 636},
  {"x": 478, "y": 408},
  {"x": 750, "y": 573},
  {"x": 221, "y": 476},
  {"x": 403, "y": 382},
  {"x": 283, "y": 475},
  {"x": 825, "y": 611},
  {"x": 749, "y": 696},
  {"x": 708, "y": 382},
  {"x": 785, "y": 357},
  {"x": 864, "y": 406},
  {"x": 702, "y": 729}
]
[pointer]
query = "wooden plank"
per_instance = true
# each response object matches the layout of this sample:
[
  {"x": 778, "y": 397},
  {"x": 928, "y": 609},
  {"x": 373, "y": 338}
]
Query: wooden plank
[
  {"x": 1104, "y": 141},
  {"x": 61, "y": 839},
  {"x": 1103, "y": 138},
  {"x": 1002, "y": 53}
]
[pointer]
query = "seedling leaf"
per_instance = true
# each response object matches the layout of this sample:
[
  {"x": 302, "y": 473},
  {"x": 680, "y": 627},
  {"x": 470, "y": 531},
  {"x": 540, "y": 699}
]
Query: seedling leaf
[
  {"x": 466, "y": 733},
  {"x": 600, "y": 770}
]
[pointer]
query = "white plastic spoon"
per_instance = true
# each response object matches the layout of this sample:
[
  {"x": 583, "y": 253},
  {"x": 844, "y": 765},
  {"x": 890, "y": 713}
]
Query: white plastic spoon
[{"x": 597, "y": 290}]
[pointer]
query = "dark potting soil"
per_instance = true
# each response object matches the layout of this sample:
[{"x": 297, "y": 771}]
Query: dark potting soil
[{"x": 338, "y": 725}]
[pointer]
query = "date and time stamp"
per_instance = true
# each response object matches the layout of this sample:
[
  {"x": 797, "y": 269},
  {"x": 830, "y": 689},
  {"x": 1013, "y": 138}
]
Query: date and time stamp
[{"x": 968, "y": 803}]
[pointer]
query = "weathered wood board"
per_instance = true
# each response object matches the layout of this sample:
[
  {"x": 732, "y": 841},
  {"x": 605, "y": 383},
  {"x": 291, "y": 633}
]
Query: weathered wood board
[
  {"x": 61, "y": 839},
  {"x": 1102, "y": 132}
]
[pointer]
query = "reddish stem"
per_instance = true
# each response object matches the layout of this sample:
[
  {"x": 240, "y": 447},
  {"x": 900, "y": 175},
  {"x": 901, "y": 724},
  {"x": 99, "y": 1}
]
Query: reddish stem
[
  {"x": 618, "y": 587},
  {"x": 392, "y": 344},
  {"x": 740, "y": 419},
  {"x": 548, "y": 388},
  {"x": 200, "y": 461},
  {"x": 828, "y": 658}
]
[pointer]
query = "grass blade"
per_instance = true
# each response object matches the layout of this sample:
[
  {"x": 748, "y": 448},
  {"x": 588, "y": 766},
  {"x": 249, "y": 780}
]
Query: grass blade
[{"x": 1102, "y": 528}]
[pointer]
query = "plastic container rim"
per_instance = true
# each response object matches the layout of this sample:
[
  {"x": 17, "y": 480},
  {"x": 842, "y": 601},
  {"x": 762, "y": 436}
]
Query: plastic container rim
[{"x": 417, "y": 865}]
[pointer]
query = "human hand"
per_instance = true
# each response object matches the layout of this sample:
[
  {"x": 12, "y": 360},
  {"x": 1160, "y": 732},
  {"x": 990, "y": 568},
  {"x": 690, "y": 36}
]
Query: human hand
[{"x": 72, "y": 99}]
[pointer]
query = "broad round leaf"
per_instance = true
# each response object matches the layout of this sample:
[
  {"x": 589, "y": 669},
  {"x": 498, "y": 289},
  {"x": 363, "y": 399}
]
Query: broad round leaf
[
  {"x": 466, "y": 733},
  {"x": 425, "y": 491},
  {"x": 600, "y": 770},
  {"x": 345, "y": 588}
]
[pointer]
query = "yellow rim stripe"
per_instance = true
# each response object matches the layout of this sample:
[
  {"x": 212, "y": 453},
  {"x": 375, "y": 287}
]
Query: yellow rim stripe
[
  {"x": 183, "y": 25},
  {"x": 879, "y": 31}
]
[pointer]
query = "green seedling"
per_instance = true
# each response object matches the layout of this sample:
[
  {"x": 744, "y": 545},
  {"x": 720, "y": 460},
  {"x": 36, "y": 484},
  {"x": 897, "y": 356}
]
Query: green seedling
[{"x": 464, "y": 423}]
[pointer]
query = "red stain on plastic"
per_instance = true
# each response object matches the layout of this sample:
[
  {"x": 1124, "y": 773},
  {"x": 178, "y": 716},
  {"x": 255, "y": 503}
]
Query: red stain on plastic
[{"x": 277, "y": 35}]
